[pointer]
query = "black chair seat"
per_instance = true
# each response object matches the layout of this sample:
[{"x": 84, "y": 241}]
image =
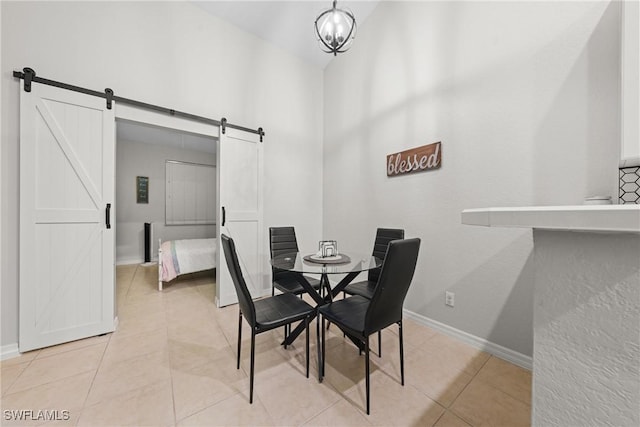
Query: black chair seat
[
  {"x": 349, "y": 312},
  {"x": 366, "y": 288},
  {"x": 280, "y": 310},
  {"x": 289, "y": 284}
]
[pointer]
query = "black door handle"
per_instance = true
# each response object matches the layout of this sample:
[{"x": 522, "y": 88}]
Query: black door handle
[
  {"x": 108, "y": 215},
  {"x": 224, "y": 216}
]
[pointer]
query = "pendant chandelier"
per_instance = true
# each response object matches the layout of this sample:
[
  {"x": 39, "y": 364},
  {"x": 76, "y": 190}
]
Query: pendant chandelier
[{"x": 335, "y": 30}]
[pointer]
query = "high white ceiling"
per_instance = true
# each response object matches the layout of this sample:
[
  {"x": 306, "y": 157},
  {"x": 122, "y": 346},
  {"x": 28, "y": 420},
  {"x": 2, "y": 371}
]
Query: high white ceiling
[{"x": 287, "y": 24}]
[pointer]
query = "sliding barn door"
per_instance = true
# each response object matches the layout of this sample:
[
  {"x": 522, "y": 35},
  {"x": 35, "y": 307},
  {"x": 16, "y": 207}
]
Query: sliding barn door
[
  {"x": 240, "y": 211},
  {"x": 67, "y": 154}
]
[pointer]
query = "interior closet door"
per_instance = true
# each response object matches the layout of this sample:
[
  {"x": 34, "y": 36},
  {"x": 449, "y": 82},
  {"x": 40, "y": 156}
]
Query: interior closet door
[
  {"x": 240, "y": 216},
  {"x": 67, "y": 155}
]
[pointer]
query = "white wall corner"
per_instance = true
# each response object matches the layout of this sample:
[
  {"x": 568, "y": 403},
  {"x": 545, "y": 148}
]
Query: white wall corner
[{"x": 494, "y": 349}]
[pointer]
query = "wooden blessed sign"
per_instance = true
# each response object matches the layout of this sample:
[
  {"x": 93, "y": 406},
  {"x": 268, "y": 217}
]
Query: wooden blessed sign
[{"x": 415, "y": 160}]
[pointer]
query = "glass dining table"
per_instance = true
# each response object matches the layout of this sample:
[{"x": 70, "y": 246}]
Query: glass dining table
[{"x": 349, "y": 265}]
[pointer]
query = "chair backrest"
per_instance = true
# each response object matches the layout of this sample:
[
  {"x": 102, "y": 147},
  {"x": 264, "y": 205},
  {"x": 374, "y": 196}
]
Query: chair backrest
[
  {"x": 282, "y": 240},
  {"x": 397, "y": 271},
  {"x": 244, "y": 296},
  {"x": 383, "y": 237}
]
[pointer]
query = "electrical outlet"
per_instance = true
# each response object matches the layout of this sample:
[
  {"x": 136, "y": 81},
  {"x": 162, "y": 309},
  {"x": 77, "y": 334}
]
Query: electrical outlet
[{"x": 449, "y": 298}]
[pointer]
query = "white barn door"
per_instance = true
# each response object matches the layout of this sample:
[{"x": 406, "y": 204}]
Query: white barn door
[
  {"x": 67, "y": 155},
  {"x": 240, "y": 216}
]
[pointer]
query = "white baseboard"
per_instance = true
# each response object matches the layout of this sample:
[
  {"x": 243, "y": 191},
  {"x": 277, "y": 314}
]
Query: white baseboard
[
  {"x": 509, "y": 355},
  {"x": 149, "y": 264},
  {"x": 9, "y": 351},
  {"x": 129, "y": 261}
]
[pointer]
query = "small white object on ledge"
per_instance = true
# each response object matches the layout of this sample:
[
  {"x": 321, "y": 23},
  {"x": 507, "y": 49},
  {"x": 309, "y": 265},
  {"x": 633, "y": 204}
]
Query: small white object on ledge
[{"x": 597, "y": 200}]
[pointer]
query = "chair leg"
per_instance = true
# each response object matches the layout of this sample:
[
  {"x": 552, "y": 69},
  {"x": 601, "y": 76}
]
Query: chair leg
[
  {"x": 344, "y": 295},
  {"x": 239, "y": 337},
  {"x": 366, "y": 350},
  {"x": 306, "y": 326},
  {"x": 323, "y": 347},
  {"x": 319, "y": 346},
  {"x": 401, "y": 353},
  {"x": 380, "y": 343},
  {"x": 286, "y": 333},
  {"x": 253, "y": 359}
]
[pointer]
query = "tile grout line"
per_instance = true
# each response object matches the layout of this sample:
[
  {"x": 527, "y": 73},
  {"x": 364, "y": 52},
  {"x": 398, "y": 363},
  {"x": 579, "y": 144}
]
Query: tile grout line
[
  {"x": 501, "y": 390},
  {"x": 450, "y": 407},
  {"x": 495, "y": 387},
  {"x": 440, "y": 417},
  {"x": 485, "y": 382},
  {"x": 173, "y": 396},
  {"x": 103, "y": 353},
  {"x": 93, "y": 379},
  {"x": 48, "y": 382},
  {"x": 207, "y": 407},
  {"x": 126, "y": 295},
  {"x": 319, "y": 413},
  {"x": 20, "y": 374}
]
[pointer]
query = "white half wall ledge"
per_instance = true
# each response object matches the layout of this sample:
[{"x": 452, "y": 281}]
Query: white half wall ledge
[{"x": 593, "y": 218}]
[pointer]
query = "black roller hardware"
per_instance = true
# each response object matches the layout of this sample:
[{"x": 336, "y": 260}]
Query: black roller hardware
[
  {"x": 108, "y": 94},
  {"x": 29, "y": 74}
]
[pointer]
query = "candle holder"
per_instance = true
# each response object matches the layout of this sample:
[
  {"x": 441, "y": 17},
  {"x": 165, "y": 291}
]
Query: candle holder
[{"x": 328, "y": 248}]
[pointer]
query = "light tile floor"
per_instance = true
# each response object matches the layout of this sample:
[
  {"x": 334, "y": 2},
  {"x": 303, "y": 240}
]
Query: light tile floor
[{"x": 172, "y": 362}]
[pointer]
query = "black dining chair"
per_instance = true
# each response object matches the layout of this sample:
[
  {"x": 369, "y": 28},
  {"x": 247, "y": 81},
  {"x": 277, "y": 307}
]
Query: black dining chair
[
  {"x": 366, "y": 288},
  {"x": 282, "y": 240},
  {"x": 361, "y": 317},
  {"x": 263, "y": 314}
]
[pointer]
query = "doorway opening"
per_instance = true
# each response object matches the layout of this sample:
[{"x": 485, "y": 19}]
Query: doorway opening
[{"x": 156, "y": 206}]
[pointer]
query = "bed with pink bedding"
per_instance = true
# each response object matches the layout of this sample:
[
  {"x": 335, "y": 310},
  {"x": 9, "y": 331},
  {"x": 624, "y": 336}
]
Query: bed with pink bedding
[{"x": 176, "y": 257}]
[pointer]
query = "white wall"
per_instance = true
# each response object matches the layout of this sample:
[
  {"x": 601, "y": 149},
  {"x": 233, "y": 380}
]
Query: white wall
[
  {"x": 171, "y": 54},
  {"x": 524, "y": 97},
  {"x": 147, "y": 159}
]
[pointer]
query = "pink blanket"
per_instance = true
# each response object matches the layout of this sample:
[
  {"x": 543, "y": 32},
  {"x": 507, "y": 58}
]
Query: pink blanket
[
  {"x": 168, "y": 267},
  {"x": 187, "y": 256}
]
